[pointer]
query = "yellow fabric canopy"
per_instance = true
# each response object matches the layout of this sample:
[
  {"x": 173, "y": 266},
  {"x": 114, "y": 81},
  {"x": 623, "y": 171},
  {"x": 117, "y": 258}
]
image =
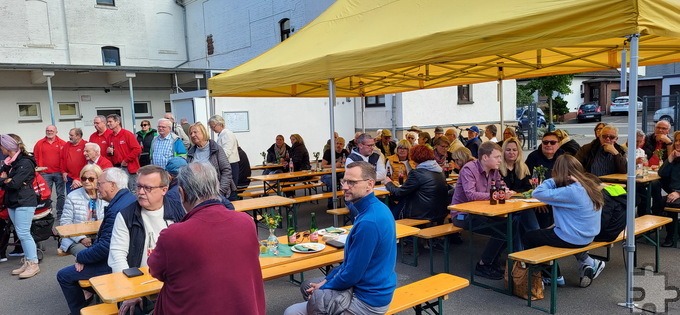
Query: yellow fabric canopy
[{"x": 374, "y": 47}]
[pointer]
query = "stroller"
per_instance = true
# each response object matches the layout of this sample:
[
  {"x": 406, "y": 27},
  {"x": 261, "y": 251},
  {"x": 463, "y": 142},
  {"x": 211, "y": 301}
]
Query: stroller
[{"x": 41, "y": 227}]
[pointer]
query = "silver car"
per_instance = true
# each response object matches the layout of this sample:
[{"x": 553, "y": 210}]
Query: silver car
[
  {"x": 620, "y": 106},
  {"x": 666, "y": 114}
]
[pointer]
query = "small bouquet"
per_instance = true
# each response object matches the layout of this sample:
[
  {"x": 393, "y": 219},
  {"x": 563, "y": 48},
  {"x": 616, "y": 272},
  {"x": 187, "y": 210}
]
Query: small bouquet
[
  {"x": 316, "y": 156},
  {"x": 264, "y": 158},
  {"x": 539, "y": 171},
  {"x": 272, "y": 220}
]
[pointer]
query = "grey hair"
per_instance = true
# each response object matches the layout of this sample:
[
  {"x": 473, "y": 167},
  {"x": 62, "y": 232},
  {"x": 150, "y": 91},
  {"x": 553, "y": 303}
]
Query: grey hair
[
  {"x": 78, "y": 132},
  {"x": 101, "y": 117},
  {"x": 217, "y": 120},
  {"x": 165, "y": 120},
  {"x": 639, "y": 133},
  {"x": 94, "y": 147},
  {"x": 363, "y": 137},
  {"x": 199, "y": 181},
  {"x": 116, "y": 176}
]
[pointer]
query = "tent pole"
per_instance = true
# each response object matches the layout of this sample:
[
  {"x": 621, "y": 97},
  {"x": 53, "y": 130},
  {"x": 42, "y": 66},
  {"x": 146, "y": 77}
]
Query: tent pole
[
  {"x": 630, "y": 207},
  {"x": 500, "y": 97},
  {"x": 334, "y": 176},
  {"x": 363, "y": 114}
]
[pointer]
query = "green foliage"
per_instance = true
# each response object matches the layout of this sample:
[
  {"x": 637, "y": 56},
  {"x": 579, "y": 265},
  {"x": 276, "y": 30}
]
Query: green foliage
[
  {"x": 560, "y": 106},
  {"x": 524, "y": 95},
  {"x": 546, "y": 86}
]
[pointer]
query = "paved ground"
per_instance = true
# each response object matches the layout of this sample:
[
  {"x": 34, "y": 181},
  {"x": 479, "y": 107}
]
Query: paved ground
[{"x": 41, "y": 294}]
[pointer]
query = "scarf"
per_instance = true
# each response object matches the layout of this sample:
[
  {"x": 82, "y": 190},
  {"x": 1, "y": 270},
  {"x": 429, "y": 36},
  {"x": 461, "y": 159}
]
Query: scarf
[{"x": 280, "y": 152}]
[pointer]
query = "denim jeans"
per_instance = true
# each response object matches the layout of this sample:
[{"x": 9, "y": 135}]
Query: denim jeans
[
  {"x": 56, "y": 183},
  {"x": 22, "y": 218},
  {"x": 68, "y": 280},
  {"x": 523, "y": 222},
  {"x": 68, "y": 183}
]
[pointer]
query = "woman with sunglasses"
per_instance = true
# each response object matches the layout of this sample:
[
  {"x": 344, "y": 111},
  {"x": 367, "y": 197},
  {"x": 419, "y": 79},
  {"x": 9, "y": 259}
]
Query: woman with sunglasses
[
  {"x": 145, "y": 137},
  {"x": 82, "y": 205}
]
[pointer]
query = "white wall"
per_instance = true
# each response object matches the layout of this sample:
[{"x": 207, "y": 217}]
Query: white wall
[
  {"x": 574, "y": 98},
  {"x": 269, "y": 117},
  {"x": 31, "y": 132}
]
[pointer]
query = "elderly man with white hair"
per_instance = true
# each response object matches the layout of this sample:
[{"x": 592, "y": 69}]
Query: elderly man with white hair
[
  {"x": 93, "y": 155},
  {"x": 166, "y": 145},
  {"x": 228, "y": 142},
  {"x": 178, "y": 130}
]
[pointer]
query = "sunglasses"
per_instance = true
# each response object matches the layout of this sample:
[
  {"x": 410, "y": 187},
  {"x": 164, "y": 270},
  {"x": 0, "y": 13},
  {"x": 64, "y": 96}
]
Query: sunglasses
[
  {"x": 549, "y": 142},
  {"x": 88, "y": 179},
  {"x": 609, "y": 137},
  {"x": 144, "y": 125}
]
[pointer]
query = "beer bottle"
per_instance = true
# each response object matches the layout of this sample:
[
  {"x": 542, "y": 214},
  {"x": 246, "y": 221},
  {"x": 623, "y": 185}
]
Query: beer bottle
[
  {"x": 291, "y": 230},
  {"x": 492, "y": 192},
  {"x": 502, "y": 192},
  {"x": 313, "y": 231}
]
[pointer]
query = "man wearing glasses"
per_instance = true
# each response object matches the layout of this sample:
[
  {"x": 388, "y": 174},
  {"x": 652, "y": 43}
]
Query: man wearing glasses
[
  {"x": 658, "y": 144},
  {"x": 605, "y": 156},
  {"x": 370, "y": 255},
  {"x": 364, "y": 152},
  {"x": 166, "y": 145},
  {"x": 137, "y": 227},
  {"x": 92, "y": 261},
  {"x": 546, "y": 154}
]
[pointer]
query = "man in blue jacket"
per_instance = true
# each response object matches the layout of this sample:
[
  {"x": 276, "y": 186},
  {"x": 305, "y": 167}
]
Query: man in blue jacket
[
  {"x": 366, "y": 279},
  {"x": 92, "y": 261}
]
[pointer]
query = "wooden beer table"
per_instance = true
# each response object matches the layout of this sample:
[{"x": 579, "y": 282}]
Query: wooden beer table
[
  {"x": 78, "y": 229},
  {"x": 272, "y": 182},
  {"x": 266, "y": 166},
  {"x": 258, "y": 204}
]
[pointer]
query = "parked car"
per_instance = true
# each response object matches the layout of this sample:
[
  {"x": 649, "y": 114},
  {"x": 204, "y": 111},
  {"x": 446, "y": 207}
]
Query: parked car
[
  {"x": 523, "y": 118},
  {"x": 665, "y": 114},
  {"x": 589, "y": 111},
  {"x": 620, "y": 105}
]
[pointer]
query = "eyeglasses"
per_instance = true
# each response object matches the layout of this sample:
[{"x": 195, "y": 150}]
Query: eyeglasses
[
  {"x": 144, "y": 125},
  {"x": 351, "y": 183},
  {"x": 88, "y": 179},
  {"x": 147, "y": 189},
  {"x": 549, "y": 142},
  {"x": 609, "y": 137}
]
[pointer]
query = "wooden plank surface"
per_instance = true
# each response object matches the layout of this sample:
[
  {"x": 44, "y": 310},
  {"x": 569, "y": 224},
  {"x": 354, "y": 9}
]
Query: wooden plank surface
[
  {"x": 78, "y": 229},
  {"x": 261, "y": 203},
  {"x": 425, "y": 290},
  {"x": 288, "y": 175},
  {"x": 482, "y": 207},
  {"x": 623, "y": 178}
]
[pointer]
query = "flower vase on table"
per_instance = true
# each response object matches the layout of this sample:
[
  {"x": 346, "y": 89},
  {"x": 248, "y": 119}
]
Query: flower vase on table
[
  {"x": 272, "y": 242},
  {"x": 264, "y": 158},
  {"x": 272, "y": 220}
]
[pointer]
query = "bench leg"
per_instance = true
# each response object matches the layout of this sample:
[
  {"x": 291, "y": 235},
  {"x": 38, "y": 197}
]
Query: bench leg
[
  {"x": 446, "y": 254},
  {"x": 431, "y": 244}
]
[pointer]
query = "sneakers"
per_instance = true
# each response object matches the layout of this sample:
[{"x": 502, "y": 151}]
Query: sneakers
[
  {"x": 587, "y": 276},
  {"x": 31, "y": 270},
  {"x": 667, "y": 243},
  {"x": 591, "y": 272},
  {"x": 560, "y": 281},
  {"x": 488, "y": 271},
  {"x": 3, "y": 259},
  {"x": 598, "y": 266},
  {"x": 21, "y": 269},
  {"x": 16, "y": 253}
]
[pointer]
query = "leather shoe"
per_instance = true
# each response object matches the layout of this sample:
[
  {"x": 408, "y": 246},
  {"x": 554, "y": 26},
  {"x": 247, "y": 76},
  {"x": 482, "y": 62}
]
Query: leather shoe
[{"x": 667, "y": 243}]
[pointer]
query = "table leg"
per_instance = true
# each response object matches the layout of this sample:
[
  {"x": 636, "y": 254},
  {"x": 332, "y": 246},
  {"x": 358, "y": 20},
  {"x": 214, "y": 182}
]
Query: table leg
[{"x": 510, "y": 249}]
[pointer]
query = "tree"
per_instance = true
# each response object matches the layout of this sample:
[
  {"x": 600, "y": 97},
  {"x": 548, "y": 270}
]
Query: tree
[{"x": 546, "y": 86}]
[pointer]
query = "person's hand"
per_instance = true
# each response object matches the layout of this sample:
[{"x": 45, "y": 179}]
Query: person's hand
[
  {"x": 315, "y": 286},
  {"x": 672, "y": 197},
  {"x": 610, "y": 148},
  {"x": 79, "y": 267},
  {"x": 76, "y": 184},
  {"x": 87, "y": 242},
  {"x": 388, "y": 180},
  {"x": 128, "y": 306},
  {"x": 123, "y": 164},
  {"x": 64, "y": 176},
  {"x": 8, "y": 180},
  {"x": 663, "y": 138},
  {"x": 673, "y": 155},
  {"x": 573, "y": 178}
]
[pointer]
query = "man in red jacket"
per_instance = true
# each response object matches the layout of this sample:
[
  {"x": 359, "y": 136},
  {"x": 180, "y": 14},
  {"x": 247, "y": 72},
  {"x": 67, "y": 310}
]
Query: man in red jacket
[
  {"x": 101, "y": 135},
  {"x": 73, "y": 160},
  {"x": 215, "y": 237},
  {"x": 47, "y": 153},
  {"x": 124, "y": 149}
]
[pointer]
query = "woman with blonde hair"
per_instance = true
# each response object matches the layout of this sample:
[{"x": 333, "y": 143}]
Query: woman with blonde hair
[
  {"x": 203, "y": 149},
  {"x": 567, "y": 144},
  {"x": 82, "y": 205},
  {"x": 576, "y": 199},
  {"x": 299, "y": 154},
  {"x": 514, "y": 171},
  {"x": 400, "y": 162},
  {"x": 460, "y": 157}
]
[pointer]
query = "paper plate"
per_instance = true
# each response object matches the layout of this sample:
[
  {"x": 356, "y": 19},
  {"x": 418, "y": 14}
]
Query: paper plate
[{"x": 306, "y": 248}]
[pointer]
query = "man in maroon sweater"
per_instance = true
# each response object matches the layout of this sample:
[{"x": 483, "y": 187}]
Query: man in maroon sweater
[
  {"x": 47, "y": 153},
  {"x": 123, "y": 150},
  {"x": 101, "y": 135},
  {"x": 224, "y": 273},
  {"x": 73, "y": 160}
]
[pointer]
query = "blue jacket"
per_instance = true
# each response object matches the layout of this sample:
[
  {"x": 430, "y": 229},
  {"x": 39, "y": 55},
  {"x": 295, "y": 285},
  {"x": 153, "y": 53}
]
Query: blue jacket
[
  {"x": 99, "y": 251},
  {"x": 172, "y": 210},
  {"x": 370, "y": 255},
  {"x": 576, "y": 221}
]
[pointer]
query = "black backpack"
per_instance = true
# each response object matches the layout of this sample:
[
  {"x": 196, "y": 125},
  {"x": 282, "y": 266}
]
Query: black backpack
[{"x": 613, "y": 214}]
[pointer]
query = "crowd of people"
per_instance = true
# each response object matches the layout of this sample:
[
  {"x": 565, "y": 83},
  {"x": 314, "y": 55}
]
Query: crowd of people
[{"x": 164, "y": 192}]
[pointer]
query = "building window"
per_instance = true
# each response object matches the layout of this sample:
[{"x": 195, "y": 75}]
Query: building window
[
  {"x": 284, "y": 27},
  {"x": 143, "y": 110},
  {"x": 111, "y": 3},
  {"x": 111, "y": 56},
  {"x": 168, "y": 107},
  {"x": 69, "y": 110},
  {"x": 375, "y": 101},
  {"x": 29, "y": 112},
  {"x": 465, "y": 94}
]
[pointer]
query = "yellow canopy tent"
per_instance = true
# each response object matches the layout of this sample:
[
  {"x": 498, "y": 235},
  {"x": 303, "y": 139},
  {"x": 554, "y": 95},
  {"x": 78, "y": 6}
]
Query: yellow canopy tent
[{"x": 375, "y": 47}]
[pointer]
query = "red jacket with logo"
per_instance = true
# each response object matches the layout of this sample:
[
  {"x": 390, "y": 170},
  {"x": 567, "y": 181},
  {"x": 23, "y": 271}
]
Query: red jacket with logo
[
  {"x": 73, "y": 159},
  {"x": 102, "y": 141},
  {"x": 125, "y": 148}
]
